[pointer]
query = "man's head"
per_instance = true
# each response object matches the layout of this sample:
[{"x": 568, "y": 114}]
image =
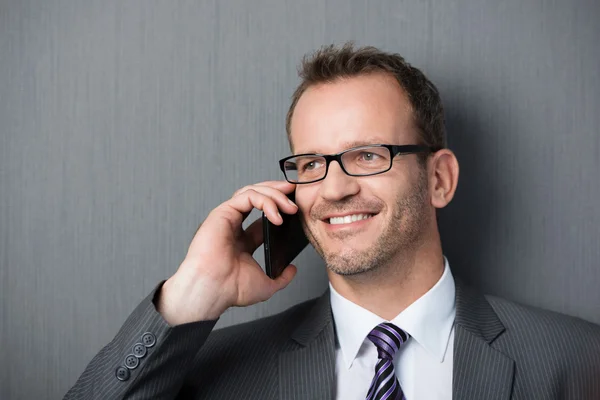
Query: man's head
[
  {"x": 332, "y": 64},
  {"x": 351, "y": 97}
]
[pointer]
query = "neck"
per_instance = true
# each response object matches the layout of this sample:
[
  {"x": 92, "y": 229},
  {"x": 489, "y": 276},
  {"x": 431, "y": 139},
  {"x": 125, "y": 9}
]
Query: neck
[{"x": 392, "y": 287}]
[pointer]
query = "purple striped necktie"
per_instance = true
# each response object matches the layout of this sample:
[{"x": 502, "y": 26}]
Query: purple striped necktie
[{"x": 388, "y": 338}]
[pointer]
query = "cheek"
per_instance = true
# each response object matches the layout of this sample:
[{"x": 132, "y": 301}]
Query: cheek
[
  {"x": 386, "y": 190},
  {"x": 305, "y": 197}
]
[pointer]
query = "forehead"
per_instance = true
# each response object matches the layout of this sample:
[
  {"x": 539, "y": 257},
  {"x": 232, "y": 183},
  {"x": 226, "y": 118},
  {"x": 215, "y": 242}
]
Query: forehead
[{"x": 348, "y": 112}]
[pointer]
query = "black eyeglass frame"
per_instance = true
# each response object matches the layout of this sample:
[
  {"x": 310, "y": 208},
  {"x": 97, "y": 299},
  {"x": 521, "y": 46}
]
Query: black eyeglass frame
[{"x": 394, "y": 151}]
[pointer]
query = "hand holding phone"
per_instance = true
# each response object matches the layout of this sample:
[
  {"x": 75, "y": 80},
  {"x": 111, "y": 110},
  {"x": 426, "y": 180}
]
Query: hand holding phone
[{"x": 219, "y": 271}]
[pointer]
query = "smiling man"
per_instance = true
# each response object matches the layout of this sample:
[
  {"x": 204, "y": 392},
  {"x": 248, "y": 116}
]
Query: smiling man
[{"x": 370, "y": 168}]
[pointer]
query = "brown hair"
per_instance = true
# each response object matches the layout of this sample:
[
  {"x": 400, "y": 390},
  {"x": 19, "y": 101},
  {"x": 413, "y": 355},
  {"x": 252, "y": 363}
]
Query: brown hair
[{"x": 331, "y": 63}]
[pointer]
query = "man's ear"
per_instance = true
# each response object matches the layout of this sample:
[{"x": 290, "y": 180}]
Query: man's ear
[{"x": 443, "y": 178}]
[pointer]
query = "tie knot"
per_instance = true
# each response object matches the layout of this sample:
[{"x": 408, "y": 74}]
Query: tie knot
[{"x": 388, "y": 338}]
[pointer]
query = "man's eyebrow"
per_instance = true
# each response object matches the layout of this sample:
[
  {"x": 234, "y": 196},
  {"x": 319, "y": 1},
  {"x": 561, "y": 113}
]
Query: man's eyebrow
[{"x": 349, "y": 145}]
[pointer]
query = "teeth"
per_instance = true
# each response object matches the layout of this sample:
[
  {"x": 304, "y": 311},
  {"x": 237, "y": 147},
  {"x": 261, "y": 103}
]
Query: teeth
[{"x": 348, "y": 219}]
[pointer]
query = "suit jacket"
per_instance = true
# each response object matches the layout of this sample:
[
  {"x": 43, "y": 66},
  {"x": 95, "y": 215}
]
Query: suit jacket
[{"x": 502, "y": 351}]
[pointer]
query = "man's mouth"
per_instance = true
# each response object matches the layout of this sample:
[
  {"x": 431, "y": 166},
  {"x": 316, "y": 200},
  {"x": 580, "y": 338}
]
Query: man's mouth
[{"x": 348, "y": 219}]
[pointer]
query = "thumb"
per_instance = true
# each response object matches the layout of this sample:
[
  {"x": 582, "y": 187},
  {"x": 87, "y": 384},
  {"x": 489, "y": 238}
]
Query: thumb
[{"x": 285, "y": 278}]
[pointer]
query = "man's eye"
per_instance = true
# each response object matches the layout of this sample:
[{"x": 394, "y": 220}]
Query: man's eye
[
  {"x": 365, "y": 156},
  {"x": 311, "y": 165}
]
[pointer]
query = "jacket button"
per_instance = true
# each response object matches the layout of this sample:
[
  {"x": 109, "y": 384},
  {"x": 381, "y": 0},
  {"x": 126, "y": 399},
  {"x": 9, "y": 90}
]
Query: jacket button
[
  {"x": 139, "y": 350},
  {"x": 122, "y": 373},
  {"x": 131, "y": 361},
  {"x": 148, "y": 339}
]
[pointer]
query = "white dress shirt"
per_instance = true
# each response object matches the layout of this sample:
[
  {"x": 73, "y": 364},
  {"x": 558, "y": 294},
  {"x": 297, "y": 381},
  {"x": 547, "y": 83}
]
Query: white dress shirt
[{"x": 424, "y": 363}]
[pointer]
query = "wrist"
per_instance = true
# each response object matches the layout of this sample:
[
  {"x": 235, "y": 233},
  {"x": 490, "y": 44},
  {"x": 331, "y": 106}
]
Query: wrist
[{"x": 185, "y": 299}]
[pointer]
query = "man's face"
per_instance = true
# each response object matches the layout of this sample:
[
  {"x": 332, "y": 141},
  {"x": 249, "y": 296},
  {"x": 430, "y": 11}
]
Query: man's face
[{"x": 332, "y": 117}]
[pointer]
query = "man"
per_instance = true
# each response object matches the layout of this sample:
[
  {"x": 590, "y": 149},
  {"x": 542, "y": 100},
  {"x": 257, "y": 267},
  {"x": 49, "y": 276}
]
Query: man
[{"x": 394, "y": 324}]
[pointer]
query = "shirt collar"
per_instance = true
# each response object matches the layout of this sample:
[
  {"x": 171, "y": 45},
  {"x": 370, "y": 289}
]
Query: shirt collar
[{"x": 428, "y": 320}]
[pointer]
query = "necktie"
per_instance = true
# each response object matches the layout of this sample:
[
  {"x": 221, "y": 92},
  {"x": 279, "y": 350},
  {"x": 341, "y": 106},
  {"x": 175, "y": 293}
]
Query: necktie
[{"x": 388, "y": 338}]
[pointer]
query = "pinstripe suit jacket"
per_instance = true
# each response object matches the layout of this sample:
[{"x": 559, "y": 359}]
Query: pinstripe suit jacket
[{"x": 502, "y": 351}]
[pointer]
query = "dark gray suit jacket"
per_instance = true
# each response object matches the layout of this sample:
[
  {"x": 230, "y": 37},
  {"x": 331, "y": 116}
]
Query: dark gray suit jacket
[{"x": 502, "y": 350}]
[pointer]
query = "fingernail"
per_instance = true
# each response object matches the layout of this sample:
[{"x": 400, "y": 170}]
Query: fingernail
[
  {"x": 279, "y": 215},
  {"x": 292, "y": 203}
]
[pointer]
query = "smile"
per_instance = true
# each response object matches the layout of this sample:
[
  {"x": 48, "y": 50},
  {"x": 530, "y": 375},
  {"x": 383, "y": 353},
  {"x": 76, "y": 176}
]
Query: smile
[{"x": 348, "y": 219}]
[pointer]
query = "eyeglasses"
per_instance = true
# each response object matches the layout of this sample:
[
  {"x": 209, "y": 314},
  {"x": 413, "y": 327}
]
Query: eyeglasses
[{"x": 358, "y": 161}]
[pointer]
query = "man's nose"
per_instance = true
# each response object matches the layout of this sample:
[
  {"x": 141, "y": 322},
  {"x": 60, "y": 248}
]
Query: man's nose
[{"x": 337, "y": 184}]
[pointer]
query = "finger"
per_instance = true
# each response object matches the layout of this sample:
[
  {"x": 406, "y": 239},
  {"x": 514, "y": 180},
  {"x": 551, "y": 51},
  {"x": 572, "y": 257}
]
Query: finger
[
  {"x": 283, "y": 202},
  {"x": 283, "y": 186},
  {"x": 275, "y": 189},
  {"x": 253, "y": 236},
  {"x": 247, "y": 201}
]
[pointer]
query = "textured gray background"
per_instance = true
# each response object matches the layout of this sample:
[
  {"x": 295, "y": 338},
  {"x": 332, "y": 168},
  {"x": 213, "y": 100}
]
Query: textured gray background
[{"x": 124, "y": 122}]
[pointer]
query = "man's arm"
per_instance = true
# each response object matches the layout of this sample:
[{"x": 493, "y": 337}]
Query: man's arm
[
  {"x": 147, "y": 359},
  {"x": 151, "y": 354}
]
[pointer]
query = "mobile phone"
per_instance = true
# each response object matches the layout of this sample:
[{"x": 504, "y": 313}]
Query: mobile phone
[{"x": 282, "y": 243}]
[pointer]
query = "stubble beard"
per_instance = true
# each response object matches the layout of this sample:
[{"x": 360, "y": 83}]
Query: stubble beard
[{"x": 402, "y": 234}]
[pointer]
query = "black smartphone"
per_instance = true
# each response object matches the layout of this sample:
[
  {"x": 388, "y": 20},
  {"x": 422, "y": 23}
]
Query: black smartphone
[{"x": 283, "y": 242}]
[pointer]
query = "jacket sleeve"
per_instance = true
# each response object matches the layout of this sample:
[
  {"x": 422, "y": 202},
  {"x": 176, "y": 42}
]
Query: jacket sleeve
[{"x": 147, "y": 359}]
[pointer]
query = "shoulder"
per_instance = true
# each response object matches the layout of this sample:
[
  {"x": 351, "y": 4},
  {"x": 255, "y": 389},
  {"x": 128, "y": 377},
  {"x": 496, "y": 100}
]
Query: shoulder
[
  {"x": 542, "y": 322},
  {"x": 541, "y": 334},
  {"x": 260, "y": 337},
  {"x": 247, "y": 350},
  {"x": 280, "y": 325}
]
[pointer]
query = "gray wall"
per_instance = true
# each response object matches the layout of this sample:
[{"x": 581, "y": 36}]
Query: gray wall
[{"x": 124, "y": 122}]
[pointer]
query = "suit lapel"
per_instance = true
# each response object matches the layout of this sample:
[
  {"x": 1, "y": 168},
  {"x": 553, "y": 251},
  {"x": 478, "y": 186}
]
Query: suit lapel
[
  {"x": 480, "y": 371},
  {"x": 307, "y": 363}
]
